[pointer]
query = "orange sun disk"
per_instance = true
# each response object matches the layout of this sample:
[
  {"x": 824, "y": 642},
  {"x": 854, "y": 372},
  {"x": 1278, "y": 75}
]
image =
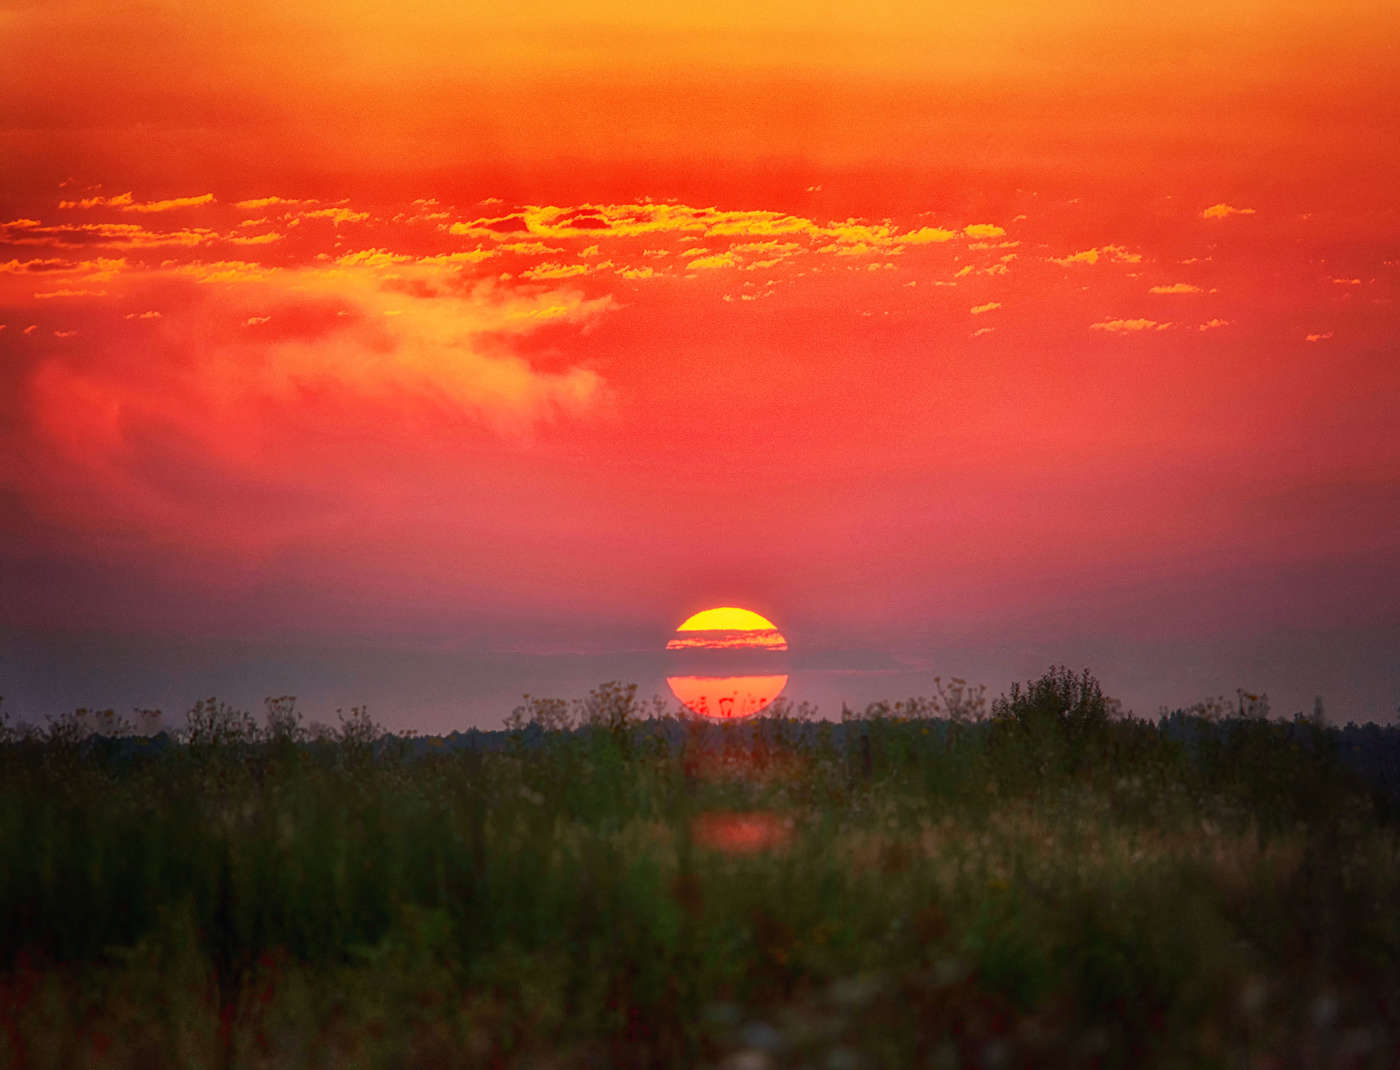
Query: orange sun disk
[{"x": 727, "y": 628}]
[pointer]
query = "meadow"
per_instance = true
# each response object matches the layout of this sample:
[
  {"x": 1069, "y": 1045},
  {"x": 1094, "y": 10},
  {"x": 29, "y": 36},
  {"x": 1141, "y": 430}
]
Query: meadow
[{"x": 945, "y": 881}]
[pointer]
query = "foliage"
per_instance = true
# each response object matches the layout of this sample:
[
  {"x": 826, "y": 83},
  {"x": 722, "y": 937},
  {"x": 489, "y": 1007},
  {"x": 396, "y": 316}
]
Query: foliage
[
  {"x": 1055, "y": 884},
  {"x": 1058, "y": 702}
]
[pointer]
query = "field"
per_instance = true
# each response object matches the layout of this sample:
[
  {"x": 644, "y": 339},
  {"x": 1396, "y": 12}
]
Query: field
[{"x": 937, "y": 882}]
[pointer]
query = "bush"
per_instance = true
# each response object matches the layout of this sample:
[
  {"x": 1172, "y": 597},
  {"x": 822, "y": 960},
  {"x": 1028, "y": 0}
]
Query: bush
[
  {"x": 1061, "y": 715},
  {"x": 1060, "y": 700}
]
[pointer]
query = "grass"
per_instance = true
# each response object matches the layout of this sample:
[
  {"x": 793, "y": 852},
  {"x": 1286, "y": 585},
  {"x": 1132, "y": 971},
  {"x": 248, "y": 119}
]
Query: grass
[{"x": 925, "y": 883}]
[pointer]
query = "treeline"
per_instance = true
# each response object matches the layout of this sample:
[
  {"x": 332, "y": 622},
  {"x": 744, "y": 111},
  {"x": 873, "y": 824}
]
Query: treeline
[{"x": 1059, "y": 725}]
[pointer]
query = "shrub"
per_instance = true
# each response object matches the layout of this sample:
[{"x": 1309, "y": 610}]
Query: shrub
[
  {"x": 214, "y": 725},
  {"x": 1061, "y": 716},
  {"x": 1059, "y": 700}
]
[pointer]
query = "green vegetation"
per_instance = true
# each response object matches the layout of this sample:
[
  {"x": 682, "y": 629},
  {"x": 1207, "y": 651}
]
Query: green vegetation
[{"x": 926, "y": 883}]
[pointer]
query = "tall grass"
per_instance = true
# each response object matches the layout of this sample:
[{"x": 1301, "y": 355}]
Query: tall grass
[{"x": 936, "y": 883}]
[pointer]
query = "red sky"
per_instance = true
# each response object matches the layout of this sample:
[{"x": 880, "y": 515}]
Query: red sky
[{"x": 922, "y": 329}]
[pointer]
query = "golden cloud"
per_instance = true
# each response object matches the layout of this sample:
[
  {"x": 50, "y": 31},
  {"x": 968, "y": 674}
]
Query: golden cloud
[
  {"x": 336, "y": 215},
  {"x": 1121, "y": 326},
  {"x": 121, "y": 200},
  {"x": 718, "y": 260},
  {"x": 1224, "y": 211},
  {"x": 256, "y": 239},
  {"x": 111, "y": 235},
  {"x": 170, "y": 205},
  {"x": 1114, "y": 253},
  {"x": 552, "y": 270},
  {"x": 927, "y": 236},
  {"x": 271, "y": 202}
]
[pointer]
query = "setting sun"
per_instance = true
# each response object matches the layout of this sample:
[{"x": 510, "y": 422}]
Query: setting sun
[{"x": 722, "y": 632}]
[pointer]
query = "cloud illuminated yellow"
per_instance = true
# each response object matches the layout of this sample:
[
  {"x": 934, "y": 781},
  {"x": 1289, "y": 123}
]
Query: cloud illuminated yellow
[
  {"x": 1122, "y": 326},
  {"x": 1224, "y": 211}
]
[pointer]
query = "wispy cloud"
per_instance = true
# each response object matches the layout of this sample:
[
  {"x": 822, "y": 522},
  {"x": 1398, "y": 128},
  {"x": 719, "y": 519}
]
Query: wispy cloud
[
  {"x": 1224, "y": 211},
  {"x": 126, "y": 202},
  {"x": 1124, "y": 326},
  {"x": 170, "y": 205},
  {"x": 1117, "y": 254}
]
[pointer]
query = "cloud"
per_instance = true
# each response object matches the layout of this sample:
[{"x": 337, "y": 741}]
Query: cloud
[
  {"x": 552, "y": 270},
  {"x": 336, "y": 215},
  {"x": 1213, "y": 324},
  {"x": 613, "y": 222},
  {"x": 37, "y": 264},
  {"x": 224, "y": 271},
  {"x": 271, "y": 202},
  {"x": 110, "y": 235},
  {"x": 1318, "y": 337},
  {"x": 495, "y": 227},
  {"x": 1121, "y": 326},
  {"x": 1176, "y": 288},
  {"x": 990, "y": 306},
  {"x": 1117, "y": 254},
  {"x": 459, "y": 259},
  {"x": 1224, "y": 211},
  {"x": 121, "y": 200},
  {"x": 539, "y": 248},
  {"x": 170, "y": 205},
  {"x": 372, "y": 258},
  {"x": 719, "y": 260},
  {"x": 125, "y": 202},
  {"x": 308, "y": 367},
  {"x": 256, "y": 239},
  {"x": 981, "y": 331},
  {"x": 926, "y": 236}
]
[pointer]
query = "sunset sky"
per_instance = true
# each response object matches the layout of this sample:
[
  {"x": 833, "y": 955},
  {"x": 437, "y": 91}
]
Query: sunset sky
[{"x": 421, "y": 356}]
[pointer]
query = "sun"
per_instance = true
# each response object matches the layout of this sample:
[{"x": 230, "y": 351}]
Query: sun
[
  {"x": 727, "y": 628},
  {"x": 727, "y": 633},
  {"x": 732, "y": 617}
]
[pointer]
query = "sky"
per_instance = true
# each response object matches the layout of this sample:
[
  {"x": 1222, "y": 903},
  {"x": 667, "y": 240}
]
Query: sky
[{"x": 422, "y": 356}]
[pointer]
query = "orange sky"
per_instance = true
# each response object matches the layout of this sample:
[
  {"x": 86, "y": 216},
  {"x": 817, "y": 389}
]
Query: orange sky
[{"x": 539, "y": 329}]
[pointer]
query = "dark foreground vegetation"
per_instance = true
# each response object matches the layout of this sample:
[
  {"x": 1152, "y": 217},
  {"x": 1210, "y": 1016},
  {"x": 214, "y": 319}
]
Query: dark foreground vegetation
[{"x": 930, "y": 883}]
